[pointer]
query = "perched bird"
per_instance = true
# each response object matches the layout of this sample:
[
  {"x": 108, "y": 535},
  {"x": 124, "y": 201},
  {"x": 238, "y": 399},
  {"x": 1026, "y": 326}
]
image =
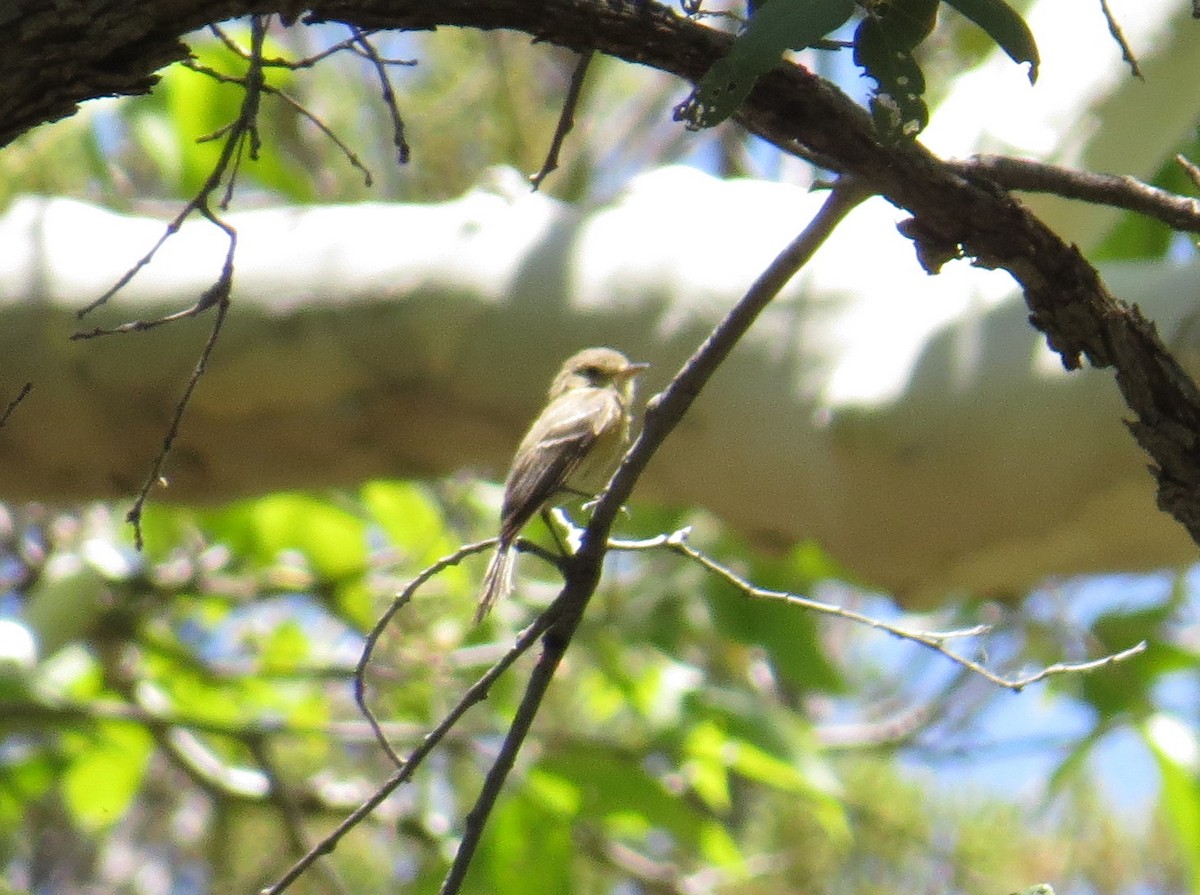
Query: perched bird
[{"x": 573, "y": 446}]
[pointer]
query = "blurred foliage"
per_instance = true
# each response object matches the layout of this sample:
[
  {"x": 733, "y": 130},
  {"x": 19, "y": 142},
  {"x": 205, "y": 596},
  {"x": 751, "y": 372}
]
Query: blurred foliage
[
  {"x": 197, "y": 721},
  {"x": 460, "y": 117}
]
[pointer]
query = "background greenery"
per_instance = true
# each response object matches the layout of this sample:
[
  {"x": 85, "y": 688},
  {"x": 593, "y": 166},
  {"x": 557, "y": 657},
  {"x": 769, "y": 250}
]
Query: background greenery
[{"x": 190, "y": 726}]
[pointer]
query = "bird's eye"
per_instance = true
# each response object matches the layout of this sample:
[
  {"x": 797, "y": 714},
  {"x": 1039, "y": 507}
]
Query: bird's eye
[{"x": 592, "y": 373}]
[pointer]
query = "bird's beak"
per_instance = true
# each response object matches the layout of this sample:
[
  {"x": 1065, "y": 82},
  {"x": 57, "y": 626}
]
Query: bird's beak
[{"x": 632, "y": 369}]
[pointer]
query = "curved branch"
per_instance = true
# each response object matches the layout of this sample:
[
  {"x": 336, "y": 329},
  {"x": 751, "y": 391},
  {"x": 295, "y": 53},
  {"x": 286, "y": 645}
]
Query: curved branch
[{"x": 1119, "y": 191}]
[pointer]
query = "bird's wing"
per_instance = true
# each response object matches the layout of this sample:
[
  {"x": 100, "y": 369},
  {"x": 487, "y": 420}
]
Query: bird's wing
[{"x": 552, "y": 450}]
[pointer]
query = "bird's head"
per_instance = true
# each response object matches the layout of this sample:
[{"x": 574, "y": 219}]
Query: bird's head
[{"x": 597, "y": 368}]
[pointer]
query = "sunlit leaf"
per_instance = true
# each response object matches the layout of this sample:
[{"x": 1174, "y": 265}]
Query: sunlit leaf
[
  {"x": 102, "y": 780},
  {"x": 526, "y": 846},
  {"x": 1006, "y": 27},
  {"x": 777, "y": 26},
  {"x": 883, "y": 46},
  {"x": 332, "y": 539},
  {"x": 1177, "y": 751},
  {"x": 706, "y": 766},
  {"x": 409, "y": 516},
  {"x": 554, "y": 791},
  {"x": 286, "y": 646}
]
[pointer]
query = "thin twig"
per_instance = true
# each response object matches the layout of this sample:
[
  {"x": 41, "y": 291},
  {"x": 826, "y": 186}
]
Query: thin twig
[
  {"x": 475, "y": 694},
  {"x": 566, "y": 119},
  {"x": 290, "y": 813},
  {"x": 350, "y": 44},
  {"x": 12, "y": 405},
  {"x": 172, "y": 229},
  {"x": 401, "y": 599},
  {"x": 237, "y": 131},
  {"x": 389, "y": 96},
  {"x": 1190, "y": 169},
  {"x": 134, "y": 516},
  {"x": 287, "y": 98},
  {"x": 245, "y": 136},
  {"x": 217, "y": 293},
  {"x": 566, "y": 612},
  {"x": 934, "y": 640},
  {"x": 1119, "y": 191},
  {"x": 1118, "y": 35},
  {"x": 242, "y": 137}
]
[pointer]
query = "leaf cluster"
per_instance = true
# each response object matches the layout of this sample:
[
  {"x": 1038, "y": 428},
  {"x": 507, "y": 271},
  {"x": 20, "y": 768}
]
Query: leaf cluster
[
  {"x": 685, "y": 744},
  {"x": 885, "y": 44}
]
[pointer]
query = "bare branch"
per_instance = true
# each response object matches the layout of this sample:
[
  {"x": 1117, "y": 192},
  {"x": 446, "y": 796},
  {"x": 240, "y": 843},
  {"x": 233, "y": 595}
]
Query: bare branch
[
  {"x": 566, "y": 120},
  {"x": 1114, "y": 29},
  {"x": 1119, "y": 191},
  {"x": 220, "y": 295},
  {"x": 934, "y": 640},
  {"x": 475, "y": 694},
  {"x": 288, "y": 99},
  {"x": 1190, "y": 169},
  {"x": 401, "y": 600},
  {"x": 12, "y": 405},
  {"x": 367, "y": 49},
  {"x": 242, "y": 136}
]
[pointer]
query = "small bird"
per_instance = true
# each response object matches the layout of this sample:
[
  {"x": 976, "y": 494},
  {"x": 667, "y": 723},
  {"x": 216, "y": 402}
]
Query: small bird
[{"x": 573, "y": 446}]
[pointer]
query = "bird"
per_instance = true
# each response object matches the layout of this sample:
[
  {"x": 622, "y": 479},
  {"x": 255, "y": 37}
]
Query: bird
[{"x": 573, "y": 446}]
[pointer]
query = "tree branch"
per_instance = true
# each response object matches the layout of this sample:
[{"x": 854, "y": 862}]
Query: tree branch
[
  {"x": 1119, "y": 191},
  {"x": 934, "y": 640}
]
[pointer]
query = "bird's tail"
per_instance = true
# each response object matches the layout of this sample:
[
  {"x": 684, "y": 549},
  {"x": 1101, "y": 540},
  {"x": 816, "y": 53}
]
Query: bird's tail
[{"x": 497, "y": 580}]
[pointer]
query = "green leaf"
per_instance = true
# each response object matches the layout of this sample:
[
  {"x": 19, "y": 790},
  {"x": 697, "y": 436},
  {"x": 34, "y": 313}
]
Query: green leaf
[
  {"x": 706, "y": 768},
  {"x": 721, "y": 850},
  {"x": 102, "y": 781},
  {"x": 24, "y": 780},
  {"x": 1174, "y": 746},
  {"x": 333, "y": 540},
  {"x": 1127, "y": 688},
  {"x": 787, "y": 633},
  {"x": 409, "y": 517},
  {"x": 1006, "y": 27},
  {"x": 777, "y": 26},
  {"x": 286, "y": 647},
  {"x": 527, "y": 847},
  {"x": 623, "y": 795},
  {"x": 883, "y": 46}
]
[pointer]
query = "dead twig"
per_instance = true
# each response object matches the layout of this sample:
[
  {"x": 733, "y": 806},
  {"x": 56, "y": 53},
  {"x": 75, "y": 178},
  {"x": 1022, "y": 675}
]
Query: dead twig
[
  {"x": 367, "y": 50},
  {"x": 1114, "y": 28},
  {"x": 12, "y": 405},
  {"x": 566, "y": 120},
  {"x": 1119, "y": 191},
  {"x": 934, "y": 640}
]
